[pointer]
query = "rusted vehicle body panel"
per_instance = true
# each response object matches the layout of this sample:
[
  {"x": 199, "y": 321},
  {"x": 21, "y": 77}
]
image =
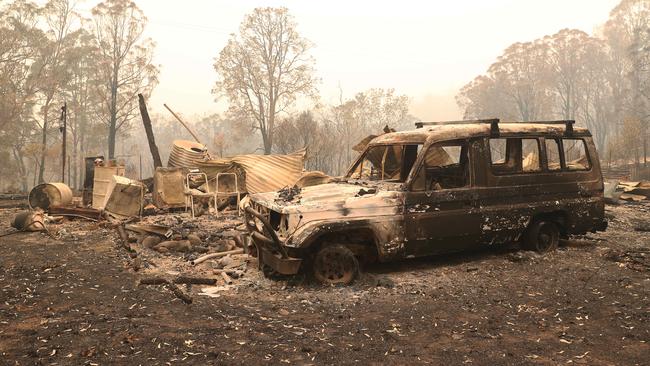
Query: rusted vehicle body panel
[{"x": 444, "y": 188}]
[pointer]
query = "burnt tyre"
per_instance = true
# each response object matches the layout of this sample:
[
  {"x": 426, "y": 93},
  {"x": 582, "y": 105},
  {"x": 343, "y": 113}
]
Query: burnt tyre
[
  {"x": 268, "y": 271},
  {"x": 335, "y": 265},
  {"x": 542, "y": 236}
]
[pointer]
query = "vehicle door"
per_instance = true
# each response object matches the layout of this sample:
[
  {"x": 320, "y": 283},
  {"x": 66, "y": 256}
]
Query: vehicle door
[
  {"x": 518, "y": 182},
  {"x": 440, "y": 213}
]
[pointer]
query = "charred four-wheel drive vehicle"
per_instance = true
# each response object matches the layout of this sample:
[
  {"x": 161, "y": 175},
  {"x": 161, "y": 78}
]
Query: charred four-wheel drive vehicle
[{"x": 442, "y": 187}]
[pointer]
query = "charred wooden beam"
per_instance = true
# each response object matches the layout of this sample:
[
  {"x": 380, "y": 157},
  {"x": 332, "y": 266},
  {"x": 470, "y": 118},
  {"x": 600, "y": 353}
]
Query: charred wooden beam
[{"x": 146, "y": 121}]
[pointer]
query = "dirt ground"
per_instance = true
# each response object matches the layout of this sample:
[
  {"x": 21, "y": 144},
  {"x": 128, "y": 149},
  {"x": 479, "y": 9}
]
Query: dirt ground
[{"x": 75, "y": 300}]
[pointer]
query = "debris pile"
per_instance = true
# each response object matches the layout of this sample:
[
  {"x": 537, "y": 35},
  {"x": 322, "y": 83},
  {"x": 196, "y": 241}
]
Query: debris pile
[
  {"x": 29, "y": 221},
  {"x": 288, "y": 194},
  {"x": 183, "y": 225},
  {"x": 627, "y": 191},
  {"x": 173, "y": 247}
]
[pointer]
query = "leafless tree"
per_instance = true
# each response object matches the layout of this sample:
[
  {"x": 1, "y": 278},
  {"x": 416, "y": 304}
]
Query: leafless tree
[
  {"x": 264, "y": 69},
  {"x": 125, "y": 62},
  {"x": 567, "y": 75}
]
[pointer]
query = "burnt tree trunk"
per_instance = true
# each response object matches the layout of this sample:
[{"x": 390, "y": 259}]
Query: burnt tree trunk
[
  {"x": 146, "y": 121},
  {"x": 645, "y": 149},
  {"x": 41, "y": 168}
]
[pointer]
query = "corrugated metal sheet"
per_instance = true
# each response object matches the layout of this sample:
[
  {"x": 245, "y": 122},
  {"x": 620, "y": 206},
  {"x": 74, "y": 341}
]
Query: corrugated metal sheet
[
  {"x": 264, "y": 173},
  {"x": 186, "y": 154}
]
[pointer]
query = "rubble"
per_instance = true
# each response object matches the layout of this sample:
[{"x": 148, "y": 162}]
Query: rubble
[
  {"x": 168, "y": 186},
  {"x": 173, "y": 246},
  {"x": 162, "y": 230},
  {"x": 216, "y": 255},
  {"x": 29, "y": 221},
  {"x": 258, "y": 173},
  {"x": 83, "y": 212},
  {"x": 170, "y": 244},
  {"x": 288, "y": 195},
  {"x": 627, "y": 191},
  {"x": 102, "y": 178},
  {"x": 124, "y": 198},
  {"x": 151, "y": 241}
]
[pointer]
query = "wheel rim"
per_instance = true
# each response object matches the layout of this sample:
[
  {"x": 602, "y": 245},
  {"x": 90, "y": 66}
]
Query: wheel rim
[
  {"x": 333, "y": 266},
  {"x": 545, "y": 238}
]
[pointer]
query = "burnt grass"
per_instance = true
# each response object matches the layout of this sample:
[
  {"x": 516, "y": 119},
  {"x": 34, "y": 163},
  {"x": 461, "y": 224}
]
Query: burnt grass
[{"x": 75, "y": 301}]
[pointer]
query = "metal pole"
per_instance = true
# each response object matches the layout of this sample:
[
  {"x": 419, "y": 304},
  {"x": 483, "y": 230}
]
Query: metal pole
[
  {"x": 64, "y": 118},
  {"x": 184, "y": 124}
]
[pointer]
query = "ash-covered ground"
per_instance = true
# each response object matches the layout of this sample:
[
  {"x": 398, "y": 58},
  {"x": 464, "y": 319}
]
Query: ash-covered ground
[{"x": 73, "y": 298}]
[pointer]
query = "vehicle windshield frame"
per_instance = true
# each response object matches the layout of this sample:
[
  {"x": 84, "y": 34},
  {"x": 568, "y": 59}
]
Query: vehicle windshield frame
[{"x": 362, "y": 156}]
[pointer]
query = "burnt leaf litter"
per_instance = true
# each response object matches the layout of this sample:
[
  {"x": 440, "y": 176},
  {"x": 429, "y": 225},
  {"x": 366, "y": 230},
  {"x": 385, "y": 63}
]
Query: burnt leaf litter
[{"x": 75, "y": 297}]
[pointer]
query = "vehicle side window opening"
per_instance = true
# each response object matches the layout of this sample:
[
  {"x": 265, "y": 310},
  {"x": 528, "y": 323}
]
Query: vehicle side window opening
[
  {"x": 504, "y": 154},
  {"x": 530, "y": 162},
  {"x": 386, "y": 163},
  {"x": 553, "y": 160},
  {"x": 444, "y": 166},
  {"x": 514, "y": 155},
  {"x": 575, "y": 154}
]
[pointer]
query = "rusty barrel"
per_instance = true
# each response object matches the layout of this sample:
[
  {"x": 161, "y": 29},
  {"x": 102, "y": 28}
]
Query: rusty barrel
[{"x": 49, "y": 194}]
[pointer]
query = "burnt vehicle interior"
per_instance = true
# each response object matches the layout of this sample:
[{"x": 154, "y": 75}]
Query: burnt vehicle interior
[
  {"x": 445, "y": 165},
  {"x": 515, "y": 155},
  {"x": 388, "y": 163}
]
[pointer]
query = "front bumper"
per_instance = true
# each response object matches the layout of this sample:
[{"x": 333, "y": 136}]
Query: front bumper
[{"x": 270, "y": 251}]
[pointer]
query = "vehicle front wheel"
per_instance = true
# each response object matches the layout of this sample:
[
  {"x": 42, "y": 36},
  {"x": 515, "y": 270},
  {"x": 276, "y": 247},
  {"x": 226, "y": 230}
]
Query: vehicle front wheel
[
  {"x": 335, "y": 265},
  {"x": 542, "y": 236}
]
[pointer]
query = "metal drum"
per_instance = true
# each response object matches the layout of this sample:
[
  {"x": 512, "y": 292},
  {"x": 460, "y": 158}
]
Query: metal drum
[{"x": 49, "y": 194}]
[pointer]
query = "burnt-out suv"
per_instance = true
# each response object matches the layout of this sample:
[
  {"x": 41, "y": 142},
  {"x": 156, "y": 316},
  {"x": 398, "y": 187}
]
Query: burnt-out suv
[{"x": 442, "y": 187}]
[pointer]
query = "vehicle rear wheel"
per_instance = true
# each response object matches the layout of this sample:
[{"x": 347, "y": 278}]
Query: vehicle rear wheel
[
  {"x": 335, "y": 265},
  {"x": 542, "y": 236}
]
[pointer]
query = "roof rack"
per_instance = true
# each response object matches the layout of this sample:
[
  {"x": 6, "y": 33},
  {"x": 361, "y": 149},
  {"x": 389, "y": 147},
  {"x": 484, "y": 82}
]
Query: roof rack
[
  {"x": 494, "y": 124},
  {"x": 567, "y": 122}
]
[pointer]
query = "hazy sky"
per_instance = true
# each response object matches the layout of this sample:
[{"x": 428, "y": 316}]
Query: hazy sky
[{"x": 424, "y": 49}]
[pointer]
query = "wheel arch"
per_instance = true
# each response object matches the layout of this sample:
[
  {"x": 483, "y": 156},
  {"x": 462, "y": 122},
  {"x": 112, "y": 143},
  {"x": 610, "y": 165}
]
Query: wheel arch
[
  {"x": 559, "y": 217},
  {"x": 360, "y": 237}
]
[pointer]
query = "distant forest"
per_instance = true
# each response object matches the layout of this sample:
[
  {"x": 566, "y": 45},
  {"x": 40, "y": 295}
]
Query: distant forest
[{"x": 50, "y": 55}]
